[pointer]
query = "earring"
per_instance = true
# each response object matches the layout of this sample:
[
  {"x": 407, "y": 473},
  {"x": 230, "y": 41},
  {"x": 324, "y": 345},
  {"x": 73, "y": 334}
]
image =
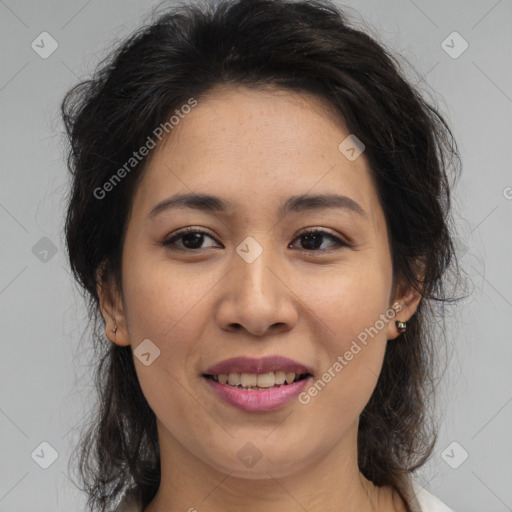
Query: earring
[
  {"x": 401, "y": 326},
  {"x": 114, "y": 329}
]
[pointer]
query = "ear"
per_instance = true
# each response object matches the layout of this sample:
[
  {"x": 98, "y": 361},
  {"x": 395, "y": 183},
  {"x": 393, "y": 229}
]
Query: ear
[
  {"x": 405, "y": 304},
  {"x": 112, "y": 308}
]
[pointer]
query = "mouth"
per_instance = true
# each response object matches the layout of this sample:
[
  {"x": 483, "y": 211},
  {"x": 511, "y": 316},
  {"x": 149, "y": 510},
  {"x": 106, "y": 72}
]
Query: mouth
[
  {"x": 258, "y": 381},
  {"x": 258, "y": 384}
]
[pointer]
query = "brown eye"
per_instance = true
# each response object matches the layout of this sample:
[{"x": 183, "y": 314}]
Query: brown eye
[
  {"x": 190, "y": 238},
  {"x": 312, "y": 240}
]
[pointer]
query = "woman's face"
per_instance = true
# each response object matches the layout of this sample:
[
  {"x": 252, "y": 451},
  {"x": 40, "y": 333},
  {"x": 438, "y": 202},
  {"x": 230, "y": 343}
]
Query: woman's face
[{"x": 254, "y": 285}]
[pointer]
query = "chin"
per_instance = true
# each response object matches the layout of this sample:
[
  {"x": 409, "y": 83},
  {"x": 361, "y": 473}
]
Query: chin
[{"x": 250, "y": 463}]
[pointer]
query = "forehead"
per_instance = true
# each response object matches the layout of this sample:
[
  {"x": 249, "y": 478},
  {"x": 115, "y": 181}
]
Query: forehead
[
  {"x": 248, "y": 144},
  {"x": 272, "y": 118}
]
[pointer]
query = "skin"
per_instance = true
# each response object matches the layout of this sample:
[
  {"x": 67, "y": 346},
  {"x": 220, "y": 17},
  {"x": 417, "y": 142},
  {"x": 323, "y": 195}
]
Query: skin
[{"x": 256, "y": 148}]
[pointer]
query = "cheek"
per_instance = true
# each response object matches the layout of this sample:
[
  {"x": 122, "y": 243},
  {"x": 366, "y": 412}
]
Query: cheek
[
  {"x": 169, "y": 306},
  {"x": 164, "y": 306},
  {"x": 352, "y": 305},
  {"x": 349, "y": 299},
  {"x": 160, "y": 298}
]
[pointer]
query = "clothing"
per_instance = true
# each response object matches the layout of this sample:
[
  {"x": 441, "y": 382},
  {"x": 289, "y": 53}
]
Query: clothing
[
  {"x": 422, "y": 501},
  {"x": 427, "y": 502}
]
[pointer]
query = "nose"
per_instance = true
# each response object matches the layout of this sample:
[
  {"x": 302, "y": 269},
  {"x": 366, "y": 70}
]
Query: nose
[{"x": 257, "y": 297}]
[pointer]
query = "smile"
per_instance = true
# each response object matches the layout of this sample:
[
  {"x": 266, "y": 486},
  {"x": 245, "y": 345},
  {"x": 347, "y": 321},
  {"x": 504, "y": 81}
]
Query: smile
[{"x": 258, "y": 381}]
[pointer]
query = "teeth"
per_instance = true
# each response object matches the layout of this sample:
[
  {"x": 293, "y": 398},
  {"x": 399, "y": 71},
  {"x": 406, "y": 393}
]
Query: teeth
[
  {"x": 234, "y": 379},
  {"x": 260, "y": 380},
  {"x": 248, "y": 379},
  {"x": 266, "y": 380},
  {"x": 280, "y": 377}
]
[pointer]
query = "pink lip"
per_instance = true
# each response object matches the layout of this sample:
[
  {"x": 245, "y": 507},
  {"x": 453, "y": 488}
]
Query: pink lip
[
  {"x": 259, "y": 400},
  {"x": 257, "y": 365}
]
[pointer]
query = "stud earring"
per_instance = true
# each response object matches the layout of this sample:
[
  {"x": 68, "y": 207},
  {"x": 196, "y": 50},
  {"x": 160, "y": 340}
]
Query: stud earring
[
  {"x": 114, "y": 329},
  {"x": 401, "y": 326}
]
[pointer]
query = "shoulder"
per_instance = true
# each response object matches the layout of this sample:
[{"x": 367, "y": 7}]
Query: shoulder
[{"x": 427, "y": 501}]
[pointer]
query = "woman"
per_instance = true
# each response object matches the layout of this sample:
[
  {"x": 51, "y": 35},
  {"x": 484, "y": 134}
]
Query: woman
[{"x": 259, "y": 213}]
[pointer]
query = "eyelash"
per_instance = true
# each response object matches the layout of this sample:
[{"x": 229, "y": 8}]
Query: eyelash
[{"x": 168, "y": 243}]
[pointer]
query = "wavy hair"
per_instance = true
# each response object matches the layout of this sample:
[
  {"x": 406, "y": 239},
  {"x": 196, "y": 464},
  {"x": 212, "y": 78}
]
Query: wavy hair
[{"x": 306, "y": 46}]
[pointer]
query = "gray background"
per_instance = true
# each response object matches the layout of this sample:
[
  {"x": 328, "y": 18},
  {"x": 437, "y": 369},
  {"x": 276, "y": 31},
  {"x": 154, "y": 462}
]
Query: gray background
[{"x": 45, "y": 380}]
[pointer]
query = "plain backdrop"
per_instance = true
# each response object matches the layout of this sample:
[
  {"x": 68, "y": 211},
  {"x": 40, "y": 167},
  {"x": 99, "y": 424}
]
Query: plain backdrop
[{"x": 45, "y": 380}]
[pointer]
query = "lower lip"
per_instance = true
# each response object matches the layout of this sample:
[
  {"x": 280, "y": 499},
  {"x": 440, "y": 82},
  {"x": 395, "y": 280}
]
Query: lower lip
[{"x": 258, "y": 400}]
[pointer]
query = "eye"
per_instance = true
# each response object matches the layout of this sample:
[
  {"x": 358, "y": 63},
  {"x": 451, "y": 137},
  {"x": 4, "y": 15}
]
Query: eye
[
  {"x": 313, "y": 239},
  {"x": 191, "y": 238}
]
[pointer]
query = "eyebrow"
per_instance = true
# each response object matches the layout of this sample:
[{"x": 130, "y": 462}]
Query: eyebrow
[{"x": 209, "y": 203}]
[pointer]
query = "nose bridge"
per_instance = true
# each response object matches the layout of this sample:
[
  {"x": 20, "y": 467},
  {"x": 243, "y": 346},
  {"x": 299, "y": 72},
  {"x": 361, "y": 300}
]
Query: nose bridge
[
  {"x": 252, "y": 269},
  {"x": 256, "y": 299}
]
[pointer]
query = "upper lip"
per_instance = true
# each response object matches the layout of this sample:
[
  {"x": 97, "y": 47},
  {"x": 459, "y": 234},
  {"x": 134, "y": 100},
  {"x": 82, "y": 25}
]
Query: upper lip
[{"x": 257, "y": 365}]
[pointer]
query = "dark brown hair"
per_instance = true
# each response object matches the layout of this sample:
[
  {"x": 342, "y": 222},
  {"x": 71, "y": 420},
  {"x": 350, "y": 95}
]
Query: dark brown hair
[{"x": 306, "y": 46}]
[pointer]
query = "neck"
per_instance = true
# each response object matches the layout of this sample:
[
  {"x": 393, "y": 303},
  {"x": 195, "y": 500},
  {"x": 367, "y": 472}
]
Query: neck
[{"x": 331, "y": 483}]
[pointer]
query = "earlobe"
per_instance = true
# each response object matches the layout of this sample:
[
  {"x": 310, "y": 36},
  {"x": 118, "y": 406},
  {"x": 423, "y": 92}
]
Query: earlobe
[
  {"x": 404, "y": 307},
  {"x": 118, "y": 336},
  {"x": 112, "y": 311}
]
